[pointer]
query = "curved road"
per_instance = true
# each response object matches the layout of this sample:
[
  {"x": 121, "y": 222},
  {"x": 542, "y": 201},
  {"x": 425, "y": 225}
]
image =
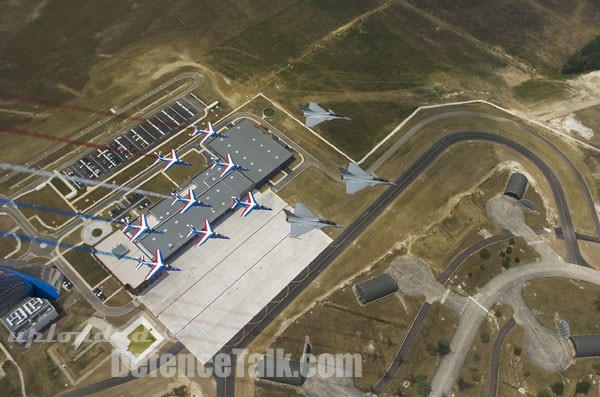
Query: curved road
[
  {"x": 495, "y": 361},
  {"x": 348, "y": 235}
]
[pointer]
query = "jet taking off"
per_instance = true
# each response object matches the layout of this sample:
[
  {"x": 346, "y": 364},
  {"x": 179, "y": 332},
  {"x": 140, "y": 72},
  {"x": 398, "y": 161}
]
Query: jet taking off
[
  {"x": 227, "y": 166},
  {"x": 356, "y": 179},
  {"x": 155, "y": 267},
  {"x": 315, "y": 114},
  {"x": 208, "y": 133},
  {"x": 141, "y": 228},
  {"x": 189, "y": 201},
  {"x": 249, "y": 205},
  {"x": 170, "y": 161},
  {"x": 302, "y": 221},
  {"x": 205, "y": 233}
]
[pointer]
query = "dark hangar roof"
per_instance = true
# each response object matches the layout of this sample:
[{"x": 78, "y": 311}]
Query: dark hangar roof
[
  {"x": 173, "y": 224},
  {"x": 252, "y": 149},
  {"x": 586, "y": 345},
  {"x": 376, "y": 288}
]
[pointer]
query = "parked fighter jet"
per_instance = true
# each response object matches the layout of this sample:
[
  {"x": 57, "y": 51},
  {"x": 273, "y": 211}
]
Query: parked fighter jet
[
  {"x": 302, "y": 221},
  {"x": 155, "y": 267},
  {"x": 189, "y": 201},
  {"x": 170, "y": 161},
  {"x": 249, "y": 205},
  {"x": 315, "y": 114},
  {"x": 228, "y": 166},
  {"x": 205, "y": 233},
  {"x": 356, "y": 179},
  {"x": 142, "y": 228},
  {"x": 208, "y": 133}
]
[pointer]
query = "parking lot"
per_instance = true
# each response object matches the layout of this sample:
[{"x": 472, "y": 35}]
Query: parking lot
[{"x": 139, "y": 139}]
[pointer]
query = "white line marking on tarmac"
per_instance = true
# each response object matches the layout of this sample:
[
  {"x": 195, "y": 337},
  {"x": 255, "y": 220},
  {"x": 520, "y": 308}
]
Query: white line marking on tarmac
[
  {"x": 445, "y": 296},
  {"x": 478, "y": 304}
]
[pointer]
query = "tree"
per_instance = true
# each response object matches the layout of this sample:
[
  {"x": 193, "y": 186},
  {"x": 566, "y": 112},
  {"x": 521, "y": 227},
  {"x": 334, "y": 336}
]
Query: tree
[
  {"x": 517, "y": 351},
  {"x": 557, "y": 388},
  {"x": 502, "y": 254},
  {"x": 443, "y": 347},
  {"x": 506, "y": 262},
  {"x": 544, "y": 393},
  {"x": 526, "y": 372},
  {"x": 517, "y": 259},
  {"x": 423, "y": 388},
  {"x": 583, "y": 386},
  {"x": 485, "y": 336},
  {"x": 511, "y": 241},
  {"x": 509, "y": 250},
  {"x": 431, "y": 349},
  {"x": 485, "y": 254}
]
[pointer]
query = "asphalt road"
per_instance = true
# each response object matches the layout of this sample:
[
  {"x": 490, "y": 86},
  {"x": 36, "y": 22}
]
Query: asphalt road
[
  {"x": 320, "y": 263},
  {"x": 495, "y": 361}
]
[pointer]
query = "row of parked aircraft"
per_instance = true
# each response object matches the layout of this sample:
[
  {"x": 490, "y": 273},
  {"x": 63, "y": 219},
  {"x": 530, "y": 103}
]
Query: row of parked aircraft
[{"x": 301, "y": 219}]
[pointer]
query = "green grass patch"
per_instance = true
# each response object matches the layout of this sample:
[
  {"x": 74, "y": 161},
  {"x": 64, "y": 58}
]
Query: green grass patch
[
  {"x": 477, "y": 271},
  {"x": 141, "y": 338},
  {"x": 86, "y": 265},
  {"x": 182, "y": 175},
  {"x": 60, "y": 185},
  {"x": 46, "y": 197},
  {"x": 10, "y": 384},
  {"x": 534, "y": 90}
]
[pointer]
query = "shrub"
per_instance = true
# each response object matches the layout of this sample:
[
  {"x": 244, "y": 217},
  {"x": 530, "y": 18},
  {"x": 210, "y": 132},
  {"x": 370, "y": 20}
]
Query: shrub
[
  {"x": 443, "y": 347},
  {"x": 497, "y": 312},
  {"x": 502, "y": 254},
  {"x": 511, "y": 241},
  {"x": 583, "y": 386},
  {"x": 485, "y": 336},
  {"x": 517, "y": 259},
  {"x": 544, "y": 393},
  {"x": 485, "y": 254},
  {"x": 509, "y": 250},
  {"x": 526, "y": 372},
  {"x": 423, "y": 388},
  {"x": 517, "y": 351},
  {"x": 431, "y": 349},
  {"x": 557, "y": 388}
]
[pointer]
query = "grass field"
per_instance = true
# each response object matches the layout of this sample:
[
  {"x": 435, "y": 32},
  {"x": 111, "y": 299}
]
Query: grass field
[
  {"x": 80, "y": 365},
  {"x": 10, "y": 383},
  {"x": 475, "y": 373},
  {"x": 547, "y": 296},
  {"x": 476, "y": 271},
  {"x": 141, "y": 338},
  {"x": 439, "y": 324},
  {"x": 110, "y": 286},
  {"x": 519, "y": 26},
  {"x": 85, "y": 264},
  {"x": 375, "y": 330},
  {"x": 8, "y": 244},
  {"x": 538, "y": 90},
  {"x": 46, "y": 197},
  {"x": 181, "y": 175},
  {"x": 518, "y": 371}
]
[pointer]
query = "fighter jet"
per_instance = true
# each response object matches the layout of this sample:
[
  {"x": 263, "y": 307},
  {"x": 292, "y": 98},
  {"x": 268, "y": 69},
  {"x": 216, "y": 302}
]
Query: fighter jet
[
  {"x": 189, "y": 201},
  {"x": 142, "y": 228},
  {"x": 155, "y": 267},
  {"x": 205, "y": 233},
  {"x": 170, "y": 161},
  {"x": 315, "y": 114},
  {"x": 356, "y": 179},
  {"x": 208, "y": 133},
  {"x": 249, "y": 205},
  {"x": 227, "y": 166},
  {"x": 302, "y": 221}
]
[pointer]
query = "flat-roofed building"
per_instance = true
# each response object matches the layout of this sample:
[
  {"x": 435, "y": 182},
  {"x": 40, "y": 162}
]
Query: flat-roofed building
[{"x": 29, "y": 316}]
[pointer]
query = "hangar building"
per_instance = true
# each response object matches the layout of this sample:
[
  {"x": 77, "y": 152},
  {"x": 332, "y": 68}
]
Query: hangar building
[
  {"x": 250, "y": 148},
  {"x": 375, "y": 288},
  {"x": 586, "y": 345},
  {"x": 516, "y": 185}
]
